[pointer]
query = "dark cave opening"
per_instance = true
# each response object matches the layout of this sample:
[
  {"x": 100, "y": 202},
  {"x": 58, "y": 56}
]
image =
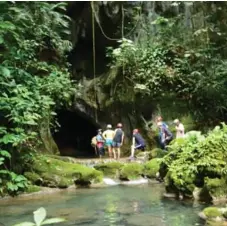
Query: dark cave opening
[{"x": 74, "y": 136}]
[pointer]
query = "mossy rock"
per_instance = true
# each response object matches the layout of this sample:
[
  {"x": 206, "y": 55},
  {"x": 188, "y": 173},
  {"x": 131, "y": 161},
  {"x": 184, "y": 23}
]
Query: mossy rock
[
  {"x": 151, "y": 168},
  {"x": 34, "y": 178},
  {"x": 169, "y": 184},
  {"x": 216, "y": 187},
  {"x": 111, "y": 169},
  {"x": 212, "y": 212},
  {"x": 57, "y": 173},
  {"x": 51, "y": 180},
  {"x": 33, "y": 188},
  {"x": 158, "y": 153},
  {"x": 131, "y": 171}
]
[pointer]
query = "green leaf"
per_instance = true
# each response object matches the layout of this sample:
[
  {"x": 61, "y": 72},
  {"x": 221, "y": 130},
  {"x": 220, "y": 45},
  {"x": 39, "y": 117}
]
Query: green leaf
[
  {"x": 53, "y": 220},
  {"x": 5, "y": 71},
  {"x": 5, "y": 153},
  {"x": 1, "y": 40},
  {"x": 25, "y": 224},
  {"x": 39, "y": 216}
]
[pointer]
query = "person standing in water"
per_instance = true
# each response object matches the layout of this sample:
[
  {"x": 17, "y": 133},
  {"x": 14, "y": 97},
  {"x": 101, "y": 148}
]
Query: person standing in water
[
  {"x": 138, "y": 143},
  {"x": 179, "y": 128},
  {"x": 100, "y": 143},
  {"x": 108, "y": 135},
  {"x": 118, "y": 141}
]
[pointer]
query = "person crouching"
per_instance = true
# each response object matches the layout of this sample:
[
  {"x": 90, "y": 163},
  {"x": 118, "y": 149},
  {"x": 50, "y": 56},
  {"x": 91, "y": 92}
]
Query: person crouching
[{"x": 138, "y": 143}]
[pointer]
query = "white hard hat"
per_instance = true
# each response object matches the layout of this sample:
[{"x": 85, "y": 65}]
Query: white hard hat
[{"x": 108, "y": 126}]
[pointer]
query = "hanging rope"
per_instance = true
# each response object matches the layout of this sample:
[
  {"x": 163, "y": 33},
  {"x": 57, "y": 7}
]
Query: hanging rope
[
  {"x": 102, "y": 31},
  {"x": 122, "y": 35},
  {"x": 94, "y": 66}
]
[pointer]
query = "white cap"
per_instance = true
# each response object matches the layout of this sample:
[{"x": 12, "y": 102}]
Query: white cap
[
  {"x": 176, "y": 121},
  {"x": 109, "y": 126}
]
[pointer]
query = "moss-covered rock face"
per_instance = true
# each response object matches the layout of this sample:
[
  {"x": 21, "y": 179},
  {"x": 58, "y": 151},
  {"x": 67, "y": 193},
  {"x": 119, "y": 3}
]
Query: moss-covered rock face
[
  {"x": 131, "y": 171},
  {"x": 212, "y": 212},
  {"x": 52, "y": 172},
  {"x": 33, "y": 188},
  {"x": 151, "y": 168},
  {"x": 217, "y": 188},
  {"x": 111, "y": 169}
]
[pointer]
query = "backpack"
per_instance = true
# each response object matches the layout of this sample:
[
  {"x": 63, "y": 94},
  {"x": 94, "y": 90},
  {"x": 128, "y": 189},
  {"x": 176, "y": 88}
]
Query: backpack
[{"x": 94, "y": 141}]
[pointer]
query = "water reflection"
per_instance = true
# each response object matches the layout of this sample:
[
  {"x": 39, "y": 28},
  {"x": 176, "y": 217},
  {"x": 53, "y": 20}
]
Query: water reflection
[{"x": 112, "y": 206}]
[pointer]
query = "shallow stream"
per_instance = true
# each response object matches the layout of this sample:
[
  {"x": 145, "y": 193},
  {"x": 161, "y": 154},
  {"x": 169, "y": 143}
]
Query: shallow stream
[{"x": 141, "y": 205}]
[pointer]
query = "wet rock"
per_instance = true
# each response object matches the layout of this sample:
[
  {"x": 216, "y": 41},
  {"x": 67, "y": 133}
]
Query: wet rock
[
  {"x": 214, "y": 216},
  {"x": 217, "y": 189},
  {"x": 170, "y": 195},
  {"x": 110, "y": 169}
]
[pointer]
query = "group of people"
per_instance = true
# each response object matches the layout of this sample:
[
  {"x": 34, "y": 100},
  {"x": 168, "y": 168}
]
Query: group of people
[
  {"x": 165, "y": 135},
  {"x": 113, "y": 139}
]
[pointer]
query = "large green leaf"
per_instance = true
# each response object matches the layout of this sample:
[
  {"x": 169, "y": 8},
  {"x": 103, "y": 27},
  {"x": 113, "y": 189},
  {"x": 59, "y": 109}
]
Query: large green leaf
[
  {"x": 39, "y": 216},
  {"x": 5, "y": 154},
  {"x": 5, "y": 71},
  {"x": 53, "y": 221}
]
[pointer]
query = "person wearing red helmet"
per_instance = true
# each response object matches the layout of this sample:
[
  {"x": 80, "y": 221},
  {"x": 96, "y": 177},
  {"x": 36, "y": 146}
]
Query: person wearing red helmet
[
  {"x": 118, "y": 141},
  {"x": 138, "y": 143}
]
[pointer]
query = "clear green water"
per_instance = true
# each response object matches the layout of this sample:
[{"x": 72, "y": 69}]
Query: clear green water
[{"x": 112, "y": 206}]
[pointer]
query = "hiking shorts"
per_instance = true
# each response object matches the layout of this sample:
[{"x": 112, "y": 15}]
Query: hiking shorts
[
  {"x": 109, "y": 142},
  {"x": 116, "y": 144},
  {"x": 140, "y": 147},
  {"x": 101, "y": 151}
]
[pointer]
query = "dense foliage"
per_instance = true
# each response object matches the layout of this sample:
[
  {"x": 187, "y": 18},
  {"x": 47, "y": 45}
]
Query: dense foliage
[
  {"x": 34, "y": 80},
  {"x": 192, "y": 160},
  {"x": 180, "y": 53}
]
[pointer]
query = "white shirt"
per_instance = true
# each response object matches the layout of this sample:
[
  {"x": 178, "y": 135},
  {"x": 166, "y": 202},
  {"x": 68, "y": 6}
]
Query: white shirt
[{"x": 180, "y": 130}]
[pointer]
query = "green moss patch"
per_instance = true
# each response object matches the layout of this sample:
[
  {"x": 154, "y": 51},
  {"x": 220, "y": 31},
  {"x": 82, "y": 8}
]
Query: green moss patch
[
  {"x": 151, "y": 168},
  {"x": 216, "y": 187},
  {"x": 111, "y": 169},
  {"x": 53, "y": 172},
  {"x": 131, "y": 171},
  {"x": 33, "y": 188},
  {"x": 212, "y": 212}
]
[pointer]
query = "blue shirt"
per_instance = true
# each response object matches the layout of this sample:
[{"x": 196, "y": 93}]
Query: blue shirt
[{"x": 139, "y": 139}]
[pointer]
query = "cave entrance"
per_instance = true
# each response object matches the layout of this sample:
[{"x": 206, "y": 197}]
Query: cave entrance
[{"x": 74, "y": 136}]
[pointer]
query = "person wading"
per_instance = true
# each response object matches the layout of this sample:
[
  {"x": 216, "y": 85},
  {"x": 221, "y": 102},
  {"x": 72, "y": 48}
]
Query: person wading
[
  {"x": 118, "y": 141},
  {"x": 138, "y": 143},
  {"x": 108, "y": 136}
]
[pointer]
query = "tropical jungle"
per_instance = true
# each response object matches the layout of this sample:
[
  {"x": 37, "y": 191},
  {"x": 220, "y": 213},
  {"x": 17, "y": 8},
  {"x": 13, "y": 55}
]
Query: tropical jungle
[{"x": 70, "y": 69}]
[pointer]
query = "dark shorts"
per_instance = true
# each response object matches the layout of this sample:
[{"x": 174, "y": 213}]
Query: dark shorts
[
  {"x": 101, "y": 151},
  {"x": 116, "y": 144},
  {"x": 140, "y": 147}
]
